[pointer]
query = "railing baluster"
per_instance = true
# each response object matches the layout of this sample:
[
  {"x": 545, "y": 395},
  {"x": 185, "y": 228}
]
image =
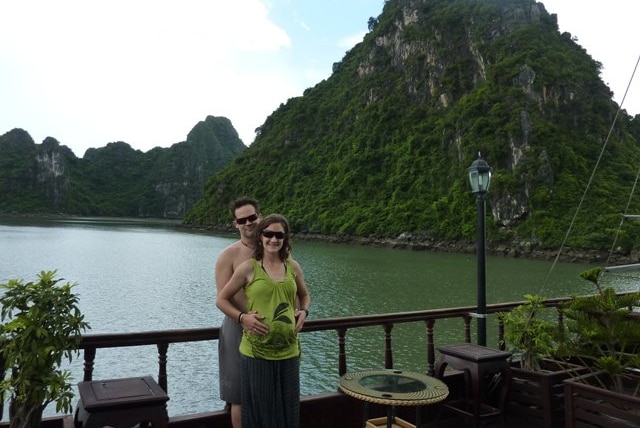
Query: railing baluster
[
  {"x": 162, "y": 365},
  {"x": 431, "y": 349},
  {"x": 560, "y": 318},
  {"x": 388, "y": 350},
  {"x": 342, "y": 353},
  {"x": 2, "y": 375},
  {"x": 162, "y": 339},
  {"x": 467, "y": 328},
  {"x": 89, "y": 358}
]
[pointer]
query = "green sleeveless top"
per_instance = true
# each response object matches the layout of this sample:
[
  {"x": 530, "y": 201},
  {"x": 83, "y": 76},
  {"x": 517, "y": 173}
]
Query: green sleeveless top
[{"x": 275, "y": 301}]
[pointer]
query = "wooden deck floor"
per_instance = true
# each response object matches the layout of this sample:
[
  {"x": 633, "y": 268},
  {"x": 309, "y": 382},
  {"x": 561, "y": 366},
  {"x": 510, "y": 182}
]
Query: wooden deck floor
[{"x": 334, "y": 410}]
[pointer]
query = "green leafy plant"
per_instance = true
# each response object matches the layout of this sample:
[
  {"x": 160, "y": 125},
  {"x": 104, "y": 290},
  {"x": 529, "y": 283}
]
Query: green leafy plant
[
  {"x": 528, "y": 335},
  {"x": 603, "y": 331},
  {"x": 41, "y": 326}
]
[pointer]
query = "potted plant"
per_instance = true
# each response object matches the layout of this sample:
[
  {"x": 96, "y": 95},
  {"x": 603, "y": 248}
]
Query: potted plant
[
  {"x": 41, "y": 325},
  {"x": 604, "y": 334},
  {"x": 530, "y": 337},
  {"x": 537, "y": 375}
]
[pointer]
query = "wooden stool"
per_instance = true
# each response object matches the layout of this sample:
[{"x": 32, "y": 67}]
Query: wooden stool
[
  {"x": 121, "y": 403},
  {"x": 476, "y": 361}
]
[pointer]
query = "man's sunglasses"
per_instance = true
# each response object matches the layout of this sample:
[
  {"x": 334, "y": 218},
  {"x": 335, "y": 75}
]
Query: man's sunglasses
[
  {"x": 270, "y": 234},
  {"x": 250, "y": 218}
]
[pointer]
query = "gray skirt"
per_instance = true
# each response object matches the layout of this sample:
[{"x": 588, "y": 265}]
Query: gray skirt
[
  {"x": 270, "y": 393},
  {"x": 229, "y": 360}
]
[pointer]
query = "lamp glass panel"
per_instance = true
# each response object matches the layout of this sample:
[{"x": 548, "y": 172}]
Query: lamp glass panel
[{"x": 474, "y": 180}]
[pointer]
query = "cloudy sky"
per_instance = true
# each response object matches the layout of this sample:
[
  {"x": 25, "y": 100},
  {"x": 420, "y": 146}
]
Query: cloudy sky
[{"x": 90, "y": 72}]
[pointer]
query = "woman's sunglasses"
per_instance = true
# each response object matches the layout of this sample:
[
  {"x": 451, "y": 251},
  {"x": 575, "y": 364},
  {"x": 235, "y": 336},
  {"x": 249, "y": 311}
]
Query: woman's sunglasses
[
  {"x": 250, "y": 218},
  {"x": 270, "y": 234}
]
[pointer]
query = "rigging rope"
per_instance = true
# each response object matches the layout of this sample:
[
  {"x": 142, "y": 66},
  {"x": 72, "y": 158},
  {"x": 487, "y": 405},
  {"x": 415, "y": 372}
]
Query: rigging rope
[
  {"x": 604, "y": 146},
  {"x": 622, "y": 219}
]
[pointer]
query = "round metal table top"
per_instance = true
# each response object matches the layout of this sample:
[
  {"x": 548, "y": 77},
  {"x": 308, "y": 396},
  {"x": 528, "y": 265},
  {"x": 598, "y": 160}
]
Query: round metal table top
[{"x": 394, "y": 387}]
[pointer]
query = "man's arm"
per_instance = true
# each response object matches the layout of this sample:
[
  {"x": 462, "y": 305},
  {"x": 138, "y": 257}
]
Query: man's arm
[{"x": 224, "y": 268}]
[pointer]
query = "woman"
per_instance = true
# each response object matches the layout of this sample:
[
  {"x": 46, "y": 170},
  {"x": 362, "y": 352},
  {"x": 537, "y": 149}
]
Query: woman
[{"x": 270, "y": 350}]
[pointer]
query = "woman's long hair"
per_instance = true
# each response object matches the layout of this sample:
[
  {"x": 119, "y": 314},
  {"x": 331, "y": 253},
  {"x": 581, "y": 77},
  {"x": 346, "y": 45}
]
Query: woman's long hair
[{"x": 285, "y": 251}]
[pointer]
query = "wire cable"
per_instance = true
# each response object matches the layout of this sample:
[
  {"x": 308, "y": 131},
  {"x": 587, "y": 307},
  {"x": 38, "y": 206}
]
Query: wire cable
[{"x": 586, "y": 190}]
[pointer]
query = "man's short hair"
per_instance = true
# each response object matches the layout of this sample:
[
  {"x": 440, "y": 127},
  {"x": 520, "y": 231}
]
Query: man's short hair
[{"x": 241, "y": 202}]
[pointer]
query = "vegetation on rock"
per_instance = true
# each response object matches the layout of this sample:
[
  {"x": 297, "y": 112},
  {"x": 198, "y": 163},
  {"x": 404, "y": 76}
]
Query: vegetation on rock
[{"x": 381, "y": 147}]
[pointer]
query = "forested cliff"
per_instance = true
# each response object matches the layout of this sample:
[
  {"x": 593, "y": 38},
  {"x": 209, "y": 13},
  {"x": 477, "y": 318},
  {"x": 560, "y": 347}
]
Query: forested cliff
[
  {"x": 381, "y": 148},
  {"x": 114, "y": 180}
]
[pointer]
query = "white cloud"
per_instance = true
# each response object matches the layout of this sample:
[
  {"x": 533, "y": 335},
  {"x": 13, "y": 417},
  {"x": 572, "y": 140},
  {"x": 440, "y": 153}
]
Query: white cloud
[
  {"x": 139, "y": 71},
  {"x": 609, "y": 33},
  {"x": 146, "y": 71}
]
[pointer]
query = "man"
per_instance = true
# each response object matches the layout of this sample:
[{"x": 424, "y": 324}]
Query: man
[{"x": 246, "y": 216}]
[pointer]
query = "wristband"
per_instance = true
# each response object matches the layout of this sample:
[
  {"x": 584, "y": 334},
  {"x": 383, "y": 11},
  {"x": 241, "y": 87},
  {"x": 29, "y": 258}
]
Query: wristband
[
  {"x": 306, "y": 311},
  {"x": 240, "y": 315}
]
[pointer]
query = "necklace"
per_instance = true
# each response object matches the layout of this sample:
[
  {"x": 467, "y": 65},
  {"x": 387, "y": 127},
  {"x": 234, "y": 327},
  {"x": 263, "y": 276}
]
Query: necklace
[{"x": 245, "y": 244}]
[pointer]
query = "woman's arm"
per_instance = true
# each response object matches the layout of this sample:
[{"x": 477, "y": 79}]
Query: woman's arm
[
  {"x": 239, "y": 279},
  {"x": 250, "y": 321},
  {"x": 303, "y": 296}
]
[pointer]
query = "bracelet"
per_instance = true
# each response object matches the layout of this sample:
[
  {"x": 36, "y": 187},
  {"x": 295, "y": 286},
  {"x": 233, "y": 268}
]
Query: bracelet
[
  {"x": 240, "y": 315},
  {"x": 306, "y": 311}
]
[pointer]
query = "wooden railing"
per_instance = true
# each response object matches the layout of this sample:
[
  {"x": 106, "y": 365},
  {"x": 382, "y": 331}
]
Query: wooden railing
[{"x": 162, "y": 339}]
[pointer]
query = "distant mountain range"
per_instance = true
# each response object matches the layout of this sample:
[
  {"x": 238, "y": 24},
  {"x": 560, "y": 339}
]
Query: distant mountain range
[{"x": 115, "y": 180}]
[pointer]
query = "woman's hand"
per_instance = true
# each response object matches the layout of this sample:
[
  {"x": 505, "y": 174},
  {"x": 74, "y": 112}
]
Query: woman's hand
[
  {"x": 252, "y": 323},
  {"x": 301, "y": 316}
]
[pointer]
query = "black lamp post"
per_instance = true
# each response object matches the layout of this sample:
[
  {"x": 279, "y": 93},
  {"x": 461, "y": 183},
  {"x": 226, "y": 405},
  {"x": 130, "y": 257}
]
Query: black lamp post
[{"x": 480, "y": 179}]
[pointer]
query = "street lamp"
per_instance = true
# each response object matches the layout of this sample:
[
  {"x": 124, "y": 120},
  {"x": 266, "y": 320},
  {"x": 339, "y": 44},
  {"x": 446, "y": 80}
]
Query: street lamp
[{"x": 480, "y": 179}]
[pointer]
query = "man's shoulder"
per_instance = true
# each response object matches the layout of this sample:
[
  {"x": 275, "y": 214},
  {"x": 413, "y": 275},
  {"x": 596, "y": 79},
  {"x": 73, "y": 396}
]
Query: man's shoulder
[
  {"x": 236, "y": 246},
  {"x": 231, "y": 251}
]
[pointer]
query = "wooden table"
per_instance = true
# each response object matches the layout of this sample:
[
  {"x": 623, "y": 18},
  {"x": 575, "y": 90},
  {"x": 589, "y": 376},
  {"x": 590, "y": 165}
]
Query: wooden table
[
  {"x": 393, "y": 388},
  {"x": 477, "y": 362},
  {"x": 121, "y": 403}
]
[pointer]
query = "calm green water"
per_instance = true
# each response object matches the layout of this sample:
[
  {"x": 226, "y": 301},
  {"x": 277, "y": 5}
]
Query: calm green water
[{"x": 140, "y": 276}]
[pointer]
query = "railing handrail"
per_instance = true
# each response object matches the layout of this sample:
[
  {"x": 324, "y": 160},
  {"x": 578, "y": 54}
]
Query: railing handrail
[
  {"x": 118, "y": 340},
  {"x": 163, "y": 338}
]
